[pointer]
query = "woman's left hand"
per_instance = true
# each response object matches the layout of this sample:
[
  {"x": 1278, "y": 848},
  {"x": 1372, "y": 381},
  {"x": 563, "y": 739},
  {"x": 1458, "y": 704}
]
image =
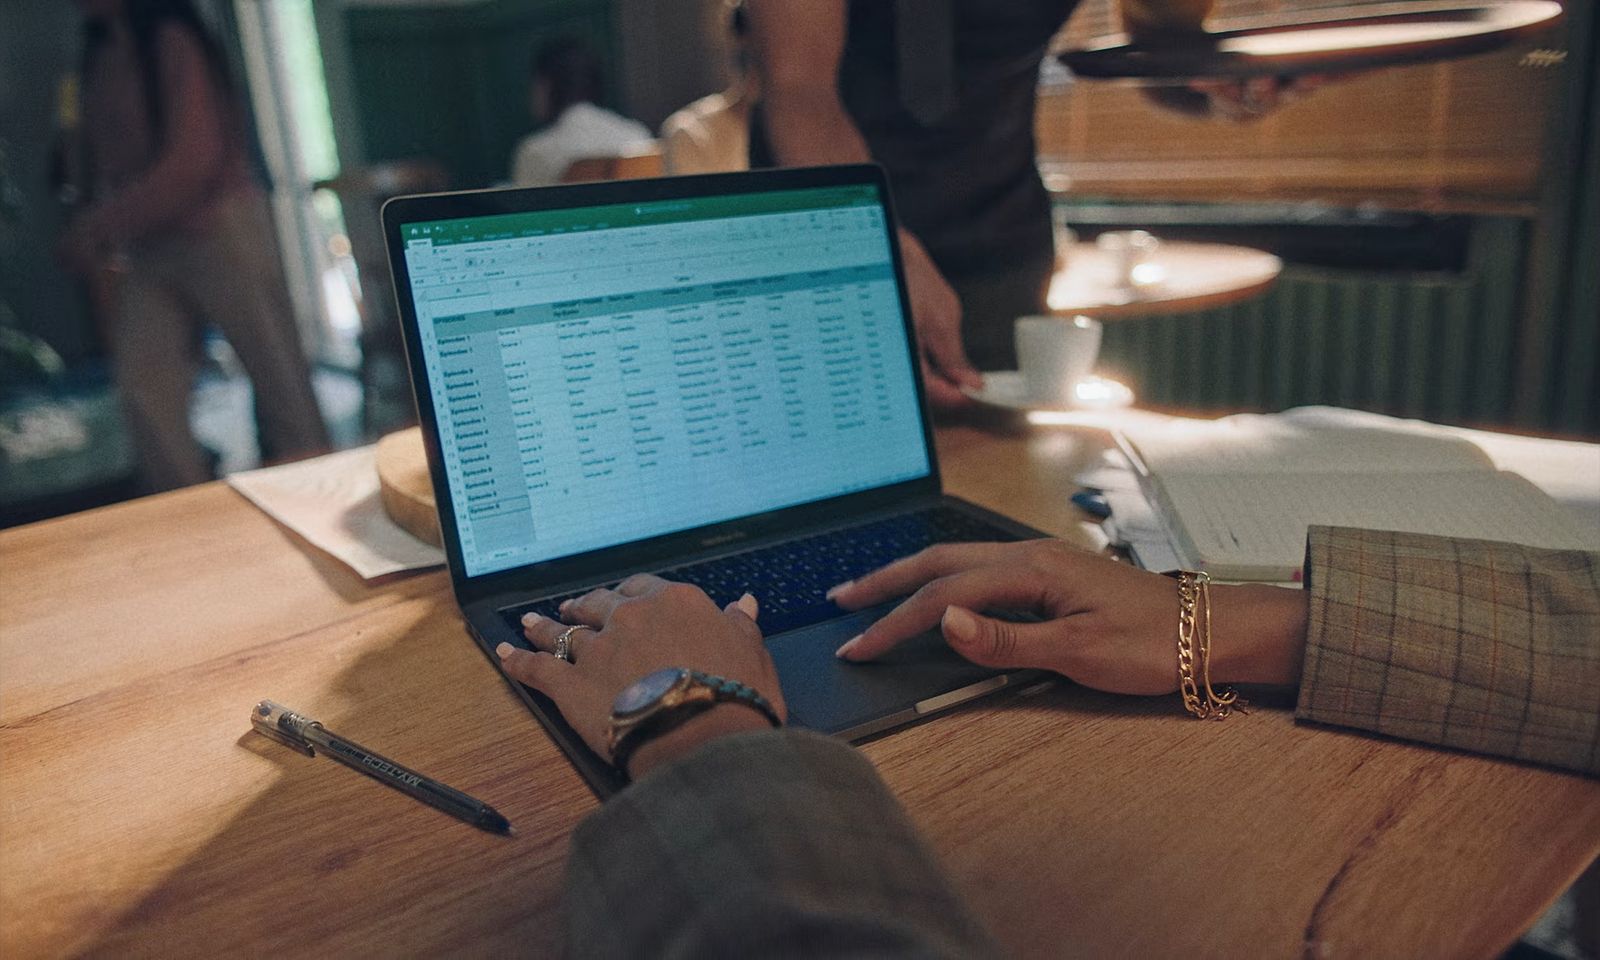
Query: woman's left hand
[
  {"x": 1106, "y": 625},
  {"x": 644, "y": 625}
]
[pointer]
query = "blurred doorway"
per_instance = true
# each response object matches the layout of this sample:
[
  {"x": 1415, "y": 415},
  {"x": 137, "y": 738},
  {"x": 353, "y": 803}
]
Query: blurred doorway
[{"x": 288, "y": 88}]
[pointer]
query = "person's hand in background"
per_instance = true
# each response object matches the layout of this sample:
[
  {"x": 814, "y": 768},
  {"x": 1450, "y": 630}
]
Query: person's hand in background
[
  {"x": 1176, "y": 23},
  {"x": 1242, "y": 100},
  {"x": 1256, "y": 97},
  {"x": 936, "y": 311}
]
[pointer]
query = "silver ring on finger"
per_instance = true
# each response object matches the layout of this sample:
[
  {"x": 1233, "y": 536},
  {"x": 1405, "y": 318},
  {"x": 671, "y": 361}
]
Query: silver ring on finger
[{"x": 563, "y": 648}]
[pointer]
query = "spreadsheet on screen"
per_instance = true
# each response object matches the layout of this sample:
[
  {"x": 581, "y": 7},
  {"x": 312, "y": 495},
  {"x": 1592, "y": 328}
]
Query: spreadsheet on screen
[{"x": 602, "y": 375}]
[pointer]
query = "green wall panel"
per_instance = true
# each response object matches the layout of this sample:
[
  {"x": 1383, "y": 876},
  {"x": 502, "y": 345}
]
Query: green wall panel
[
  {"x": 451, "y": 83},
  {"x": 1424, "y": 344}
]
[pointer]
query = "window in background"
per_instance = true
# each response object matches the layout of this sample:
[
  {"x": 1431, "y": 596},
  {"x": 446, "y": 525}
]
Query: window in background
[{"x": 288, "y": 89}]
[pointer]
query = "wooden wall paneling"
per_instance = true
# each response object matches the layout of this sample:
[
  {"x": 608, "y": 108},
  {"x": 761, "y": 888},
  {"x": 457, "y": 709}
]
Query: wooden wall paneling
[{"x": 1452, "y": 136}]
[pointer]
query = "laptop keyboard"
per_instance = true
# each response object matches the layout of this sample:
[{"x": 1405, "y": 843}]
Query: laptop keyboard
[{"x": 790, "y": 578}]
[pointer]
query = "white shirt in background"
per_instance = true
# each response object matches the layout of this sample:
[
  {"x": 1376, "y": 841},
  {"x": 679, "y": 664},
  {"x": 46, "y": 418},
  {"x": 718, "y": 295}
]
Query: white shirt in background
[{"x": 582, "y": 130}]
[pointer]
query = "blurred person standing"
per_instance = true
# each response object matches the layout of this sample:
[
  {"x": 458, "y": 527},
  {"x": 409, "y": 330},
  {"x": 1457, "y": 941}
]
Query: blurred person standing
[
  {"x": 566, "y": 95},
  {"x": 712, "y": 134},
  {"x": 942, "y": 94},
  {"x": 177, "y": 214}
]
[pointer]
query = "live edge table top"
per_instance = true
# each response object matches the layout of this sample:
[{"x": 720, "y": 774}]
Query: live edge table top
[{"x": 139, "y": 814}]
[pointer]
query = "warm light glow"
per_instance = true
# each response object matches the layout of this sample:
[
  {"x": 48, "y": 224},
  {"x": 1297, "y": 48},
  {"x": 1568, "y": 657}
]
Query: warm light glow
[
  {"x": 1093, "y": 391},
  {"x": 1092, "y": 394},
  {"x": 1351, "y": 38},
  {"x": 1147, "y": 274},
  {"x": 1054, "y": 418},
  {"x": 1057, "y": 297}
]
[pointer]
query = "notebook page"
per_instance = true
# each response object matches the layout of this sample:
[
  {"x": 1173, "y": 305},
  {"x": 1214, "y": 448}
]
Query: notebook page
[
  {"x": 1300, "y": 444},
  {"x": 1253, "y": 526}
]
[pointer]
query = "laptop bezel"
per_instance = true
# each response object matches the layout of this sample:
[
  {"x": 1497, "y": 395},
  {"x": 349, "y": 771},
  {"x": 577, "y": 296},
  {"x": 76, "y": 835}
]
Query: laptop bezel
[{"x": 669, "y": 548}]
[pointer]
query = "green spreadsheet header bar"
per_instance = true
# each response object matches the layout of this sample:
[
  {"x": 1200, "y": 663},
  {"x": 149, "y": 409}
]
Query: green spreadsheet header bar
[{"x": 539, "y": 223}]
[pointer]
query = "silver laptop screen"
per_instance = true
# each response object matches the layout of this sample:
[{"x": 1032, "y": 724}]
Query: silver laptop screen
[{"x": 602, "y": 375}]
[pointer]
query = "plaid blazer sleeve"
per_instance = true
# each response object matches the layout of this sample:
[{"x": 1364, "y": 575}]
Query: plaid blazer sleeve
[
  {"x": 1482, "y": 646},
  {"x": 774, "y": 844}
]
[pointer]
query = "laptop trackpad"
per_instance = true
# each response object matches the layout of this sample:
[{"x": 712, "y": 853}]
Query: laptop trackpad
[{"x": 826, "y": 694}]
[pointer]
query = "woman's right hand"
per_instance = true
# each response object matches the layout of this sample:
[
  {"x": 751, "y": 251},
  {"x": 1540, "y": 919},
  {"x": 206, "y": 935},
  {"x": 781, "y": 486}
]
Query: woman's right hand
[{"x": 1104, "y": 624}]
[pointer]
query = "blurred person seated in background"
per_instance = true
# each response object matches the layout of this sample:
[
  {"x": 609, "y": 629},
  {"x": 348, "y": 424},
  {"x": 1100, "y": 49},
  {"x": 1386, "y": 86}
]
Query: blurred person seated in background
[
  {"x": 942, "y": 94},
  {"x": 742, "y": 839},
  {"x": 565, "y": 97},
  {"x": 712, "y": 134},
  {"x": 176, "y": 212}
]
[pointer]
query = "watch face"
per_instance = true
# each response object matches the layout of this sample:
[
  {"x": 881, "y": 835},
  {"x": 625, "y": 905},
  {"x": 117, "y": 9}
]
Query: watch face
[{"x": 645, "y": 691}]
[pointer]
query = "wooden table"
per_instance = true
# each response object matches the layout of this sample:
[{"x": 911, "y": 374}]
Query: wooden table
[
  {"x": 139, "y": 814},
  {"x": 1198, "y": 276}
]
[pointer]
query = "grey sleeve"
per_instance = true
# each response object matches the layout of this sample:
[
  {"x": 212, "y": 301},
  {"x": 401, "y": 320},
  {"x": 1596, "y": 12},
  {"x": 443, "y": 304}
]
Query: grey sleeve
[{"x": 774, "y": 844}]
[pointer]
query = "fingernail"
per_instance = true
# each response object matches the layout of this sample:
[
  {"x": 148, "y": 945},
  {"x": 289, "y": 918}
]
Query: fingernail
[
  {"x": 564, "y": 605},
  {"x": 529, "y": 619},
  {"x": 836, "y": 588},
  {"x": 503, "y": 650},
  {"x": 959, "y": 625},
  {"x": 843, "y": 653}
]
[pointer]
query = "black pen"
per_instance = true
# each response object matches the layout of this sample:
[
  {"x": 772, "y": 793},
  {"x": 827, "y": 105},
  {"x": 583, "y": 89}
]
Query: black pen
[{"x": 278, "y": 722}]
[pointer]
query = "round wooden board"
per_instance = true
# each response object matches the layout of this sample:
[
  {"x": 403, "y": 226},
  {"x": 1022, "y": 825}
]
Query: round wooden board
[
  {"x": 1195, "y": 276},
  {"x": 405, "y": 487}
]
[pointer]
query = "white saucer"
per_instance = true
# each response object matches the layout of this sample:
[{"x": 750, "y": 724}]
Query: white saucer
[{"x": 1005, "y": 389}]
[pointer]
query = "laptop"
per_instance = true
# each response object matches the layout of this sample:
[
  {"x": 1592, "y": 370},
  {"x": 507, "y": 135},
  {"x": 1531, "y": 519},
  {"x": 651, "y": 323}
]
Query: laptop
[{"x": 709, "y": 378}]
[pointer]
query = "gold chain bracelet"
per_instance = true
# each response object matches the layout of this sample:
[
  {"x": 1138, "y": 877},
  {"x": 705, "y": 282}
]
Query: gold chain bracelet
[
  {"x": 1188, "y": 598},
  {"x": 1194, "y": 624}
]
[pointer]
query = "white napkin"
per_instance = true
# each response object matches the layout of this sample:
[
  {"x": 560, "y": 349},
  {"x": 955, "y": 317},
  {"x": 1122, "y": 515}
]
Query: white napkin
[{"x": 333, "y": 502}]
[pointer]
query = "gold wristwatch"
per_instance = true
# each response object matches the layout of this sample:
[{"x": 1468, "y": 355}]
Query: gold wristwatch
[{"x": 665, "y": 700}]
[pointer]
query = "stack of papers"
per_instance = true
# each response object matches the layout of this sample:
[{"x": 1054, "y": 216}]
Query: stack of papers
[{"x": 1234, "y": 497}]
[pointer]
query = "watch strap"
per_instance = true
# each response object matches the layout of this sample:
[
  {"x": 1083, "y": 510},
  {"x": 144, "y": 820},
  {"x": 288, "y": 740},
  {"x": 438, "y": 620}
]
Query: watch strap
[{"x": 628, "y": 735}]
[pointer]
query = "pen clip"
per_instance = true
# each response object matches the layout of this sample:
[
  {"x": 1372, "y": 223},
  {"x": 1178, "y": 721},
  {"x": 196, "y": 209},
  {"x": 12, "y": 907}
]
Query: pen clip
[{"x": 265, "y": 719}]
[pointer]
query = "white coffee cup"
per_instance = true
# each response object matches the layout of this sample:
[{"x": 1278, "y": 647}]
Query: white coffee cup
[{"x": 1054, "y": 354}]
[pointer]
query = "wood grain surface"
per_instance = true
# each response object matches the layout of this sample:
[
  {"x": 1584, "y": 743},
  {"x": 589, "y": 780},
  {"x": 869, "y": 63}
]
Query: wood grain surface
[
  {"x": 1462, "y": 136},
  {"x": 140, "y": 816},
  {"x": 404, "y": 486}
]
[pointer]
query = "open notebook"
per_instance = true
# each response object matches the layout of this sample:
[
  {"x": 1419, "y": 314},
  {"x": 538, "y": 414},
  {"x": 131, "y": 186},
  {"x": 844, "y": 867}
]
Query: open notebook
[{"x": 1238, "y": 494}]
